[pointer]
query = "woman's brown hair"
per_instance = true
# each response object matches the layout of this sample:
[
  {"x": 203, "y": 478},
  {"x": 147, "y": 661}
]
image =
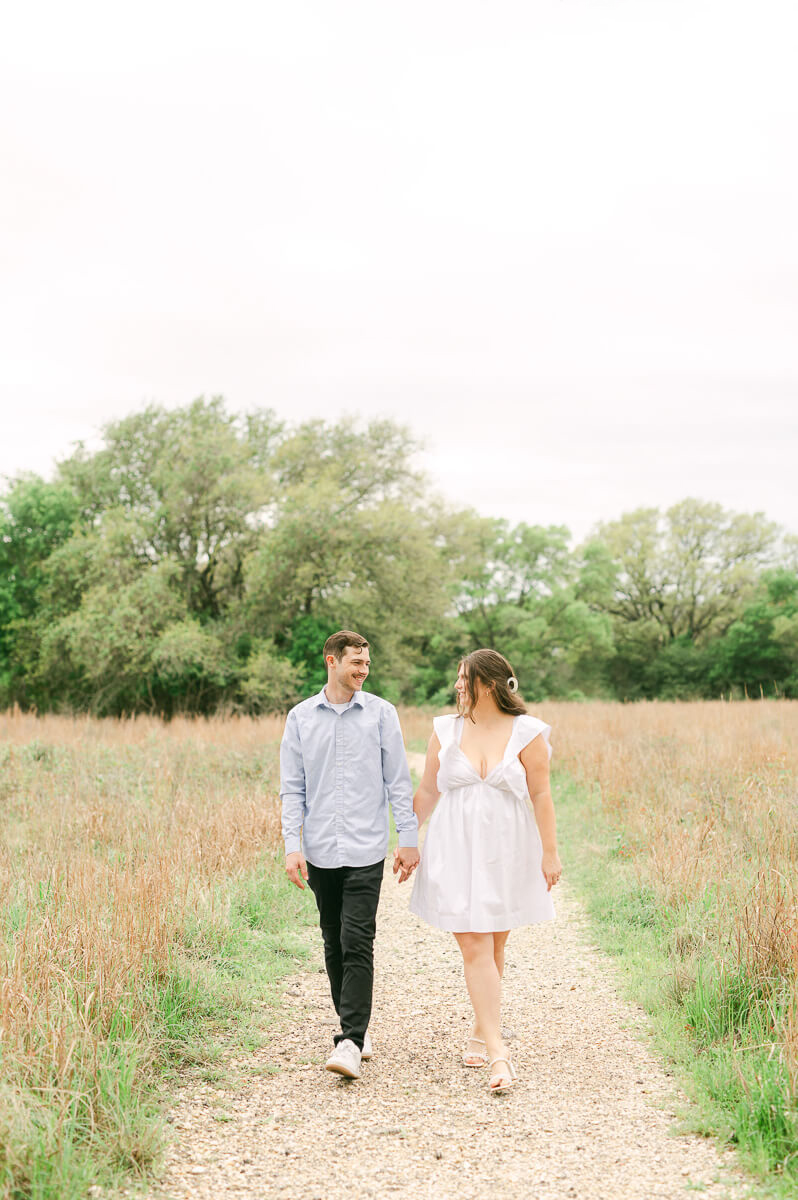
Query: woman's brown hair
[{"x": 494, "y": 672}]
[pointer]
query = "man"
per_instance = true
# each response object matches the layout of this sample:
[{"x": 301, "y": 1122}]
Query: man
[{"x": 342, "y": 762}]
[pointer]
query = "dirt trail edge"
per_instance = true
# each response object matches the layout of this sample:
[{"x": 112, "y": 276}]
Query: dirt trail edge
[{"x": 589, "y": 1117}]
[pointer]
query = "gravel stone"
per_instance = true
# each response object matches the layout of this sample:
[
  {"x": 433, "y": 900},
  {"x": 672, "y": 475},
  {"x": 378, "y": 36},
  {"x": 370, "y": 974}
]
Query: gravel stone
[{"x": 590, "y": 1116}]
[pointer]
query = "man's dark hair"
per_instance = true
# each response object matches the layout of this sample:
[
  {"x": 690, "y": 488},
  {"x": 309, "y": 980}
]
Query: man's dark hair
[{"x": 337, "y": 643}]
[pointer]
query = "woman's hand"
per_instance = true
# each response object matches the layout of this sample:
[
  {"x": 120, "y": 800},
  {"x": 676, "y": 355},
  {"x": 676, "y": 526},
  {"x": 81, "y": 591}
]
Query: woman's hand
[
  {"x": 405, "y": 861},
  {"x": 551, "y": 867}
]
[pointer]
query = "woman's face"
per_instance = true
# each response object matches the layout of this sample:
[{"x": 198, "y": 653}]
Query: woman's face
[{"x": 461, "y": 691}]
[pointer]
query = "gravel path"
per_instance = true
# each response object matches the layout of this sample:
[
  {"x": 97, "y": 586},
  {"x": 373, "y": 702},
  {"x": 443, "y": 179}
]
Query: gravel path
[{"x": 589, "y": 1117}]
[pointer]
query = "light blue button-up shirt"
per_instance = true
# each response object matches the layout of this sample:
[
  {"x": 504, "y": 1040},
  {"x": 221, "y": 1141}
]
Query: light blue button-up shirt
[{"x": 338, "y": 774}]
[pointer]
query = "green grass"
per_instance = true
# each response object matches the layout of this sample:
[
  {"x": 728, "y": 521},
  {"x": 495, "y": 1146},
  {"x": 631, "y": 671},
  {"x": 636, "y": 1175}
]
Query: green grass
[
  {"x": 221, "y": 992},
  {"x": 709, "y": 1021}
]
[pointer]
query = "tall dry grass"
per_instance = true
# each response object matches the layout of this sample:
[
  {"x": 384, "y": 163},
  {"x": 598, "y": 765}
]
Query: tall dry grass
[
  {"x": 114, "y": 837},
  {"x": 707, "y": 795},
  {"x": 703, "y": 802}
]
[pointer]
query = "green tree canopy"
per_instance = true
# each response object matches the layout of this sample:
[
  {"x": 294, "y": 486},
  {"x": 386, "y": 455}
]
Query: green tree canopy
[
  {"x": 688, "y": 571},
  {"x": 189, "y": 485},
  {"x": 524, "y": 598},
  {"x": 671, "y": 583},
  {"x": 204, "y": 558},
  {"x": 199, "y": 559},
  {"x": 759, "y": 653},
  {"x": 35, "y": 519},
  {"x": 348, "y": 544}
]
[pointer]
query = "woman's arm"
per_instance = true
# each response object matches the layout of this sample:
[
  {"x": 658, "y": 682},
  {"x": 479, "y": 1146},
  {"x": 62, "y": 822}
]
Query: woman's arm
[
  {"x": 427, "y": 795},
  {"x": 424, "y": 800},
  {"x": 535, "y": 761}
]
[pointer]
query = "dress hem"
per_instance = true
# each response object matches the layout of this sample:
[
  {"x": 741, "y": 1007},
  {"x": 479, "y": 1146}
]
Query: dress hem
[{"x": 455, "y": 925}]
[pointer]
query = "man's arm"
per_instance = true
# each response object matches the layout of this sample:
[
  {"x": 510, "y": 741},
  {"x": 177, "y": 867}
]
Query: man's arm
[
  {"x": 292, "y": 794},
  {"x": 399, "y": 789}
]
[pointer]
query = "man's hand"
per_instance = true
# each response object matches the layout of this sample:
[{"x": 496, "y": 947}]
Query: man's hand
[
  {"x": 405, "y": 861},
  {"x": 296, "y": 868}
]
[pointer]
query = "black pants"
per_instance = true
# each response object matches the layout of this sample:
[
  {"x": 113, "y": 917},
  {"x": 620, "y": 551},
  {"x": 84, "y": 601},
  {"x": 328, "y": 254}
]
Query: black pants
[{"x": 347, "y": 899}]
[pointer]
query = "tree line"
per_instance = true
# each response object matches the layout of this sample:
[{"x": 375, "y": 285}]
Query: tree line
[{"x": 197, "y": 561}]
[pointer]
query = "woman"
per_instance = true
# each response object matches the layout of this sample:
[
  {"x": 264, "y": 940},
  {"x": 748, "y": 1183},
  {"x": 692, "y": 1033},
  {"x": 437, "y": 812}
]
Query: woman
[{"x": 487, "y": 865}]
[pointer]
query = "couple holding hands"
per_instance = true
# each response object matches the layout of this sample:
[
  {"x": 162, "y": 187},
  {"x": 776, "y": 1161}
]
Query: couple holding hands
[{"x": 488, "y": 864}]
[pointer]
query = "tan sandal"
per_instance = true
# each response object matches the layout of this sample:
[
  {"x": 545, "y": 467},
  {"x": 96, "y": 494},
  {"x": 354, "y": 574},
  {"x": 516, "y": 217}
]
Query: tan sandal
[
  {"x": 478, "y": 1054},
  {"x": 506, "y": 1081}
]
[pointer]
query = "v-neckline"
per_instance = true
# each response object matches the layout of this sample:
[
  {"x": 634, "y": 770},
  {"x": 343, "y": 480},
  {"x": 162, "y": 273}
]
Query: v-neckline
[{"x": 499, "y": 761}]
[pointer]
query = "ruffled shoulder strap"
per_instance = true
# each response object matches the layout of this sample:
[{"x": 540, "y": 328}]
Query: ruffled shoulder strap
[
  {"x": 527, "y": 729},
  {"x": 446, "y": 728}
]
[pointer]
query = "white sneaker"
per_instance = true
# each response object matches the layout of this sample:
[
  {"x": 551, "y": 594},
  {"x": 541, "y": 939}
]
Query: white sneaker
[
  {"x": 345, "y": 1059},
  {"x": 365, "y": 1053}
]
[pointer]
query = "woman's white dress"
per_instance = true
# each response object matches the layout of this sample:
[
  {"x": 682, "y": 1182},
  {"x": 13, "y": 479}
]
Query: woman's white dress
[{"x": 480, "y": 868}]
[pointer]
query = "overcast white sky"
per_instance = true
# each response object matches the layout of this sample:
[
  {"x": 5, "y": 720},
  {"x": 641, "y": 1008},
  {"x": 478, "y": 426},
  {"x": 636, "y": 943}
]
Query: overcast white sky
[{"x": 556, "y": 237}]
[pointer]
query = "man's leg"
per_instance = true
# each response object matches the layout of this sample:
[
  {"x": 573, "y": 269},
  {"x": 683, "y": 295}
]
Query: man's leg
[
  {"x": 361, "y": 894},
  {"x": 327, "y": 885}
]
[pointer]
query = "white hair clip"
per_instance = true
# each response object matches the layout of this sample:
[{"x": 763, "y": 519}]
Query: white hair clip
[{"x": 512, "y": 684}]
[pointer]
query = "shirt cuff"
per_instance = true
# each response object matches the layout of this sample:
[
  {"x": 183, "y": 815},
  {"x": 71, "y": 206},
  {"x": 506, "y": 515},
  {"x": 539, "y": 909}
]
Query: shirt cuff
[
  {"x": 408, "y": 839},
  {"x": 292, "y": 844}
]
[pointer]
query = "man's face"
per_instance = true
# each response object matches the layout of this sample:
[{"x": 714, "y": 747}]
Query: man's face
[{"x": 352, "y": 671}]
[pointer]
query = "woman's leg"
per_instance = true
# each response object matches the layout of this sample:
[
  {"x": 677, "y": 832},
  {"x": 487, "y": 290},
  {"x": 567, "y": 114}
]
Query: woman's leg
[
  {"x": 484, "y": 988},
  {"x": 499, "y": 942}
]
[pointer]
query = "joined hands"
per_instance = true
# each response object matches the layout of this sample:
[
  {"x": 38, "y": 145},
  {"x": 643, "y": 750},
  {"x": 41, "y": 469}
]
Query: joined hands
[{"x": 405, "y": 861}]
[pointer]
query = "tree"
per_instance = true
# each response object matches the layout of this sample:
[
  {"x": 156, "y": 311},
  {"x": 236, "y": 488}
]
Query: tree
[
  {"x": 524, "y": 600},
  {"x": 688, "y": 572},
  {"x": 200, "y": 559},
  {"x": 190, "y": 668},
  {"x": 211, "y": 555},
  {"x": 677, "y": 581},
  {"x": 100, "y": 656},
  {"x": 35, "y": 518},
  {"x": 189, "y": 485},
  {"x": 758, "y": 655},
  {"x": 271, "y": 683},
  {"x": 347, "y": 544}
]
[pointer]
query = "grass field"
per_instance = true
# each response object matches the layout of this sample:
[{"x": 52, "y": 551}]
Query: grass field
[
  {"x": 680, "y": 824},
  {"x": 145, "y": 918}
]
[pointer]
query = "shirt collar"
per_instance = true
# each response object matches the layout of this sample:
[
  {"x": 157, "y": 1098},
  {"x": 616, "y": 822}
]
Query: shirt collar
[{"x": 321, "y": 699}]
